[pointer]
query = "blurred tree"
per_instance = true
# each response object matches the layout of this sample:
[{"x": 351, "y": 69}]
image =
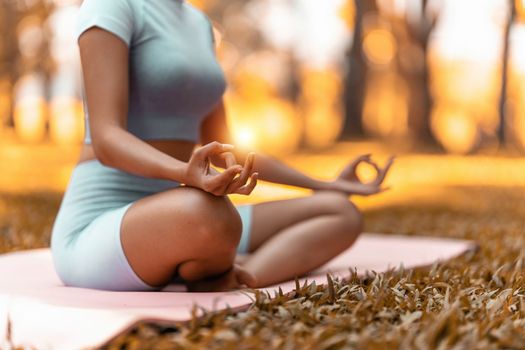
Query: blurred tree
[
  {"x": 8, "y": 58},
  {"x": 413, "y": 36},
  {"x": 355, "y": 80},
  {"x": 505, "y": 71},
  {"x": 240, "y": 31},
  {"x": 13, "y": 65}
]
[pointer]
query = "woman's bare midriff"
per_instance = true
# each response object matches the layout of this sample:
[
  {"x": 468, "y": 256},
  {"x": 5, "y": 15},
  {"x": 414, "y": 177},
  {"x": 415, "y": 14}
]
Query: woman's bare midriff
[{"x": 180, "y": 150}]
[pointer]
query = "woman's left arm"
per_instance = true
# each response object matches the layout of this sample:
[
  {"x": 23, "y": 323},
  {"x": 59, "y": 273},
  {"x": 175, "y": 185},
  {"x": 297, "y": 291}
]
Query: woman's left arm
[
  {"x": 215, "y": 128},
  {"x": 269, "y": 169}
]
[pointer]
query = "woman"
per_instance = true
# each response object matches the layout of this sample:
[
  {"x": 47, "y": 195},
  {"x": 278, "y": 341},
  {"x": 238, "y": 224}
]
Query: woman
[{"x": 153, "y": 91}]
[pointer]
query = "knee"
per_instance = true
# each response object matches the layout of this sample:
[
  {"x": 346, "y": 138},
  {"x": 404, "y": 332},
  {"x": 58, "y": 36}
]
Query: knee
[
  {"x": 350, "y": 215},
  {"x": 219, "y": 223},
  {"x": 353, "y": 218}
]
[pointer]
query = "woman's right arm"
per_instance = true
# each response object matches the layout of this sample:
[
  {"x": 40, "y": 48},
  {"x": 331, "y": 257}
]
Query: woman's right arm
[{"x": 105, "y": 66}]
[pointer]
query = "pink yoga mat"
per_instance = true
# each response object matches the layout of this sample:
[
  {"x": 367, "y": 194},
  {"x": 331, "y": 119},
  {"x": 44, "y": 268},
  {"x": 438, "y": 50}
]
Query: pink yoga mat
[{"x": 47, "y": 315}]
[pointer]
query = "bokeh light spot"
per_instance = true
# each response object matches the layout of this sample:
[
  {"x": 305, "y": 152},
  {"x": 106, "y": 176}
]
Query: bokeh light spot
[{"x": 379, "y": 46}]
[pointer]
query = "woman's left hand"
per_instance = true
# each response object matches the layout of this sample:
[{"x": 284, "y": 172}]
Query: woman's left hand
[{"x": 349, "y": 182}]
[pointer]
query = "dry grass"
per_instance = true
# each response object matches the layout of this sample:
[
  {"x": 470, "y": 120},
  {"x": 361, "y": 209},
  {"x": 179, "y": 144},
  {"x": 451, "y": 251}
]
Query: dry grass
[
  {"x": 26, "y": 220},
  {"x": 476, "y": 301}
]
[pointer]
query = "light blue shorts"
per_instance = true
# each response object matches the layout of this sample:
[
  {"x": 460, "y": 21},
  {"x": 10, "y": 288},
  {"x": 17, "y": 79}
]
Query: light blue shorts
[{"x": 85, "y": 241}]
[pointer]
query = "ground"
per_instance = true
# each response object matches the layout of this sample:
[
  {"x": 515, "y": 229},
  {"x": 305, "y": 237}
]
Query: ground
[{"x": 475, "y": 301}]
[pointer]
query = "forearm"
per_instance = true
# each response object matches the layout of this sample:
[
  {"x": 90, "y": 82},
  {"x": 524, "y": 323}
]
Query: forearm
[
  {"x": 120, "y": 149},
  {"x": 272, "y": 170}
]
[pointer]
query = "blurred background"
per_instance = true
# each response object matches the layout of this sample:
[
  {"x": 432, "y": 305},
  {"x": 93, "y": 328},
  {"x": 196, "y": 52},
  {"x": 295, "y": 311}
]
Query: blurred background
[
  {"x": 440, "y": 83},
  {"x": 329, "y": 78},
  {"x": 304, "y": 73}
]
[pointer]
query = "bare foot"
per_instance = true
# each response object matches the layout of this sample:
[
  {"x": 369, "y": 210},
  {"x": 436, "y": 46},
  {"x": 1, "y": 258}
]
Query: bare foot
[
  {"x": 236, "y": 278},
  {"x": 241, "y": 259}
]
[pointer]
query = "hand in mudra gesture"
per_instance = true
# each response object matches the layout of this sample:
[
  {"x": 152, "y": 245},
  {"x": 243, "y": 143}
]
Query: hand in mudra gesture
[
  {"x": 201, "y": 175},
  {"x": 349, "y": 182}
]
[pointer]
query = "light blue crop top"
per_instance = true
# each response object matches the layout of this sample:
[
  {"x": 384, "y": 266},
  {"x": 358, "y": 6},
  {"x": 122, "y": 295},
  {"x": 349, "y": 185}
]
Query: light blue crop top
[{"x": 175, "y": 79}]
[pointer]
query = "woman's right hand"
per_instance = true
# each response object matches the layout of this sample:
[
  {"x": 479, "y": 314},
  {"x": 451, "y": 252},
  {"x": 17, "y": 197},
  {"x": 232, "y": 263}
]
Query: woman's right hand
[{"x": 201, "y": 175}]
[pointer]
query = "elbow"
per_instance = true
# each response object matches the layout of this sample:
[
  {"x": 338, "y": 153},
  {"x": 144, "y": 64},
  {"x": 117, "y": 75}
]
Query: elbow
[{"x": 102, "y": 149}]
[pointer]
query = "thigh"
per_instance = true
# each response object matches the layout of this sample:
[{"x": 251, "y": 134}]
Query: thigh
[
  {"x": 268, "y": 218},
  {"x": 167, "y": 229},
  {"x": 94, "y": 257}
]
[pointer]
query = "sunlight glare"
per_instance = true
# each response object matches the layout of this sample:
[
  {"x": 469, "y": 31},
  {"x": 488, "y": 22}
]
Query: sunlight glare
[
  {"x": 245, "y": 137},
  {"x": 456, "y": 130}
]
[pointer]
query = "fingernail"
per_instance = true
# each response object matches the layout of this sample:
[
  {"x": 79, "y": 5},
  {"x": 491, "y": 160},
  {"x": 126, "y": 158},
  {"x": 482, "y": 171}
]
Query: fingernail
[{"x": 227, "y": 146}]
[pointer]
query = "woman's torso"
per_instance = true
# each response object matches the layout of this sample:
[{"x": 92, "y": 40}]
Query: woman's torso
[{"x": 175, "y": 79}]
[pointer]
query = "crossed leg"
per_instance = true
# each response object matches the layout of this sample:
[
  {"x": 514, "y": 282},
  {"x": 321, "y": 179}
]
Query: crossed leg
[
  {"x": 183, "y": 230},
  {"x": 292, "y": 237},
  {"x": 195, "y": 234}
]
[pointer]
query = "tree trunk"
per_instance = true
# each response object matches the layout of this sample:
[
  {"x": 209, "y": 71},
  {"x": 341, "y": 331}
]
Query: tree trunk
[
  {"x": 418, "y": 80},
  {"x": 8, "y": 53},
  {"x": 504, "y": 73},
  {"x": 355, "y": 80}
]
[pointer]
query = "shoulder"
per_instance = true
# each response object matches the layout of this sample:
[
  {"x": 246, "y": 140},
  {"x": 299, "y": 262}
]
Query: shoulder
[
  {"x": 203, "y": 19},
  {"x": 108, "y": 5},
  {"x": 120, "y": 17},
  {"x": 197, "y": 13},
  {"x": 115, "y": 8}
]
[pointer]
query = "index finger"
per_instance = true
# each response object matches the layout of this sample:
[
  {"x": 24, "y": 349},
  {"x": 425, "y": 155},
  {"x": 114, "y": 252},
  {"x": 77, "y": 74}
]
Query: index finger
[
  {"x": 362, "y": 158},
  {"x": 229, "y": 159},
  {"x": 384, "y": 171},
  {"x": 350, "y": 168},
  {"x": 220, "y": 181},
  {"x": 211, "y": 149},
  {"x": 245, "y": 174}
]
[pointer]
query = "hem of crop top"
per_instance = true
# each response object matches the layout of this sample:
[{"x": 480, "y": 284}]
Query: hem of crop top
[{"x": 153, "y": 138}]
